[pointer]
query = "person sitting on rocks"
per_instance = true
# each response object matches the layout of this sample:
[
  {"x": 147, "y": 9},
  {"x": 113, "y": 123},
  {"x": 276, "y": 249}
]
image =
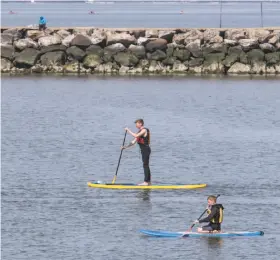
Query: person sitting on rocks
[{"x": 42, "y": 24}]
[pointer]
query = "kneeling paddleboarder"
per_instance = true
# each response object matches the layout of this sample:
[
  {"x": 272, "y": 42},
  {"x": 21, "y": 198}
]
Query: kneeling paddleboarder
[
  {"x": 214, "y": 218},
  {"x": 142, "y": 137}
]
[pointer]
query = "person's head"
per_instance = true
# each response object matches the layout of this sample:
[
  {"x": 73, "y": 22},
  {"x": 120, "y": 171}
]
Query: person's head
[
  {"x": 211, "y": 200},
  {"x": 41, "y": 17},
  {"x": 139, "y": 123}
]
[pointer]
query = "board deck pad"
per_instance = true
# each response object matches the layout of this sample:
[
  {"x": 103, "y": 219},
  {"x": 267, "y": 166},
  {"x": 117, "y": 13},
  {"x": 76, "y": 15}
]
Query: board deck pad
[
  {"x": 98, "y": 184},
  {"x": 156, "y": 233}
]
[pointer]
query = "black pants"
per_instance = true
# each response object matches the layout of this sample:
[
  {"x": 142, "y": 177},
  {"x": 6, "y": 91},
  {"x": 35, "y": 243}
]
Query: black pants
[
  {"x": 146, "y": 151},
  {"x": 212, "y": 226},
  {"x": 42, "y": 27}
]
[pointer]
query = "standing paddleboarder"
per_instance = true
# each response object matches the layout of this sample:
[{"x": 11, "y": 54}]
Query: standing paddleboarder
[{"x": 142, "y": 137}]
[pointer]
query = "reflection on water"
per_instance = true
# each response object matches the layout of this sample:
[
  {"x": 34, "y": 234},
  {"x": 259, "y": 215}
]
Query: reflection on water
[
  {"x": 60, "y": 132},
  {"x": 144, "y": 195}
]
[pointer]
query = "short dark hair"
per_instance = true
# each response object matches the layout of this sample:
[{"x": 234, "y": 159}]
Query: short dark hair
[{"x": 141, "y": 121}]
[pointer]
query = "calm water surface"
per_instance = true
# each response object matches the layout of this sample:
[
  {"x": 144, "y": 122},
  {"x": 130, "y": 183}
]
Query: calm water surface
[{"x": 60, "y": 132}]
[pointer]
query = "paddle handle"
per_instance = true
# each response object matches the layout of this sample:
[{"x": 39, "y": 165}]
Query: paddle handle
[{"x": 115, "y": 177}]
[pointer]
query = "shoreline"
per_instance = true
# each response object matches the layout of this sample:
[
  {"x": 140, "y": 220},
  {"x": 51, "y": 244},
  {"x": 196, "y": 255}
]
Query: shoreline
[{"x": 140, "y": 51}]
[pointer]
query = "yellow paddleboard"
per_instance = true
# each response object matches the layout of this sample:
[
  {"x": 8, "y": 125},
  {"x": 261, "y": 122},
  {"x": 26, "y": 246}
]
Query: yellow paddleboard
[{"x": 135, "y": 186}]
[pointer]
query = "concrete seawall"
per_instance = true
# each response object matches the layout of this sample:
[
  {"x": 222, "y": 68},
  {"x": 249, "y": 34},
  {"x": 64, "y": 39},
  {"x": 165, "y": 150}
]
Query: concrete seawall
[{"x": 140, "y": 51}]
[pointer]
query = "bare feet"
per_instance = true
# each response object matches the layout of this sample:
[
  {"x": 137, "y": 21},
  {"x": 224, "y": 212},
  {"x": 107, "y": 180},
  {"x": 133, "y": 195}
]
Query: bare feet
[{"x": 144, "y": 184}]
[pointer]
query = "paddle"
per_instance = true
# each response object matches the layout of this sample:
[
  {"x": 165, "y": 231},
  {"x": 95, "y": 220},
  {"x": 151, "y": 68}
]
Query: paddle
[
  {"x": 190, "y": 229},
  {"x": 115, "y": 177}
]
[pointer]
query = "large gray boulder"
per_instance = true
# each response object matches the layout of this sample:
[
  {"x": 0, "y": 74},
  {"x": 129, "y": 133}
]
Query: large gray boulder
[
  {"x": 214, "y": 48},
  {"x": 272, "y": 58},
  {"x": 156, "y": 67},
  {"x": 213, "y": 68},
  {"x": 72, "y": 67},
  {"x": 124, "y": 69},
  {"x": 267, "y": 47},
  {"x": 157, "y": 55},
  {"x": 126, "y": 59},
  {"x": 166, "y": 34},
  {"x": 236, "y": 34},
  {"x": 230, "y": 43},
  {"x": 169, "y": 61},
  {"x": 239, "y": 68},
  {"x": 258, "y": 68},
  {"x": 196, "y": 62},
  {"x": 15, "y": 33},
  {"x": 63, "y": 33},
  {"x": 230, "y": 59},
  {"x": 123, "y": 38},
  {"x": 138, "y": 51},
  {"x": 182, "y": 54},
  {"x": 144, "y": 40},
  {"x": 248, "y": 44},
  {"x": 255, "y": 55},
  {"x": 193, "y": 35},
  {"x": 114, "y": 48},
  {"x": 105, "y": 68},
  {"x": 243, "y": 58},
  {"x": 235, "y": 50},
  {"x": 270, "y": 69},
  {"x": 276, "y": 38},
  {"x": 68, "y": 39},
  {"x": 75, "y": 53},
  {"x": 50, "y": 40},
  {"x": 52, "y": 48},
  {"x": 81, "y": 41},
  {"x": 195, "y": 69},
  {"x": 214, "y": 58},
  {"x": 137, "y": 33},
  {"x": 98, "y": 37},
  {"x": 7, "y": 51},
  {"x": 53, "y": 58},
  {"x": 151, "y": 33},
  {"x": 179, "y": 67},
  {"x": 27, "y": 58},
  {"x": 170, "y": 49},
  {"x": 92, "y": 61},
  {"x": 26, "y": 43},
  {"x": 95, "y": 49},
  {"x": 159, "y": 44},
  {"x": 35, "y": 34},
  {"x": 212, "y": 36},
  {"x": 195, "y": 48},
  {"x": 83, "y": 31},
  {"x": 6, "y": 39},
  {"x": 188, "y": 37},
  {"x": 277, "y": 68},
  {"x": 6, "y": 65},
  {"x": 261, "y": 35}
]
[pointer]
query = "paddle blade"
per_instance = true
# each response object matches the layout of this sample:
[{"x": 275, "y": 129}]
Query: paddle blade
[{"x": 113, "y": 181}]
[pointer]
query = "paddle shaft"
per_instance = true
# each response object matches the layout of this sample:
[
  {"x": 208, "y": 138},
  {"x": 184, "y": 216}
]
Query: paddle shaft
[
  {"x": 202, "y": 214},
  {"x": 115, "y": 177}
]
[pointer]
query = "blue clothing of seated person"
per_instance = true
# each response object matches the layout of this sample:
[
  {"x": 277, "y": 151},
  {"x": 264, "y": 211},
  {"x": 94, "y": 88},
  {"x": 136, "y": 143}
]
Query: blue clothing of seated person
[{"x": 42, "y": 23}]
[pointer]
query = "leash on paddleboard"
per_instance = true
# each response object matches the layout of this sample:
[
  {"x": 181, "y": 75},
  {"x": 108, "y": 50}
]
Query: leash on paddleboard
[
  {"x": 115, "y": 177},
  {"x": 190, "y": 229}
]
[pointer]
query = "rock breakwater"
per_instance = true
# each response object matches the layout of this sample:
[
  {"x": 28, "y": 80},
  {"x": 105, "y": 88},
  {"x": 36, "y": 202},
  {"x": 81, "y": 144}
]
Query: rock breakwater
[{"x": 139, "y": 51}]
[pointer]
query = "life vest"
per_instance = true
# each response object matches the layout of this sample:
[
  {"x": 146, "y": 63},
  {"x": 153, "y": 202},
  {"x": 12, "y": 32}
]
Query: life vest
[
  {"x": 218, "y": 218},
  {"x": 144, "y": 140}
]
